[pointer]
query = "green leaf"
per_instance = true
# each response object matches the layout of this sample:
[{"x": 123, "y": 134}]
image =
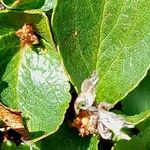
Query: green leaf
[
  {"x": 140, "y": 142},
  {"x": 139, "y": 98},
  {"x": 9, "y": 45},
  {"x": 12, "y": 146},
  {"x": 12, "y": 20},
  {"x": 138, "y": 118},
  {"x": 143, "y": 125},
  {"x": 37, "y": 83},
  {"x": 38, "y": 88},
  {"x": 49, "y": 4},
  {"x": 67, "y": 138},
  {"x": 136, "y": 104},
  {"x": 111, "y": 37},
  {"x": 28, "y": 4}
]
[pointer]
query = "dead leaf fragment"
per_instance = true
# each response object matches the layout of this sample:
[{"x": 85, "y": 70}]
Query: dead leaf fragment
[
  {"x": 86, "y": 123},
  {"x": 13, "y": 119},
  {"x": 27, "y": 36}
]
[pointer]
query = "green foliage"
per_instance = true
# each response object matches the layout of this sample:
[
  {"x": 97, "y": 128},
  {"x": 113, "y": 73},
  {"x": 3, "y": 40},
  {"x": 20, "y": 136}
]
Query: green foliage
[
  {"x": 109, "y": 37},
  {"x": 140, "y": 98},
  {"x": 138, "y": 142},
  {"x": 68, "y": 139},
  {"x": 37, "y": 83},
  {"x": 139, "y": 109},
  {"x": 28, "y": 4},
  {"x": 10, "y": 145},
  {"x": 37, "y": 86}
]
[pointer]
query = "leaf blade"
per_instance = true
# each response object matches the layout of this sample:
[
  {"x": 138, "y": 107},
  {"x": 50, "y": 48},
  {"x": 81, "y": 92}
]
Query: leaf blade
[
  {"x": 107, "y": 37},
  {"x": 39, "y": 93},
  {"x": 140, "y": 141},
  {"x": 37, "y": 84},
  {"x": 28, "y": 4},
  {"x": 136, "y": 104}
]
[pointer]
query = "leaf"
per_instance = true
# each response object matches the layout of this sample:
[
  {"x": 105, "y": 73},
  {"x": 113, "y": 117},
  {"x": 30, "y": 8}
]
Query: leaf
[
  {"x": 111, "y": 37},
  {"x": 136, "y": 104},
  {"x": 143, "y": 125},
  {"x": 37, "y": 83},
  {"x": 11, "y": 146},
  {"x": 139, "y": 98},
  {"x": 10, "y": 22},
  {"x": 13, "y": 120},
  {"x": 7, "y": 37},
  {"x": 138, "y": 142},
  {"x": 28, "y": 4},
  {"x": 38, "y": 88},
  {"x": 15, "y": 20},
  {"x": 49, "y": 4},
  {"x": 138, "y": 118},
  {"x": 67, "y": 138}
]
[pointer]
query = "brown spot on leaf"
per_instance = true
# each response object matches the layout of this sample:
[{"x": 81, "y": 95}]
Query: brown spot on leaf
[{"x": 13, "y": 119}]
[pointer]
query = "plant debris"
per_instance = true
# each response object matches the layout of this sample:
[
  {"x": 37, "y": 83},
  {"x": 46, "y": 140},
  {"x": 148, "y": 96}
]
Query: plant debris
[
  {"x": 13, "y": 120},
  {"x": 2, "y": 7},
  {"x": 27, "y": 36},
  {"x": 87, "y": 96},
  {"x": 91, "y": 119},
  {"x": 86, "y": 123}
]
